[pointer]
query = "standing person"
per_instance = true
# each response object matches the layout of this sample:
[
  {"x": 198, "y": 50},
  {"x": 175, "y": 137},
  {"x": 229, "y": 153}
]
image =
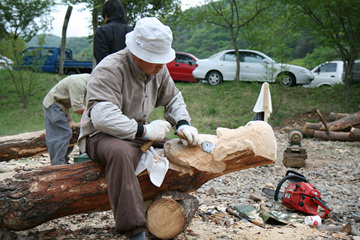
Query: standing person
[
  {"x": 123, "y": 90},
  {"x": 110, "y": 37},
  {"x": 68, "y": 93}
]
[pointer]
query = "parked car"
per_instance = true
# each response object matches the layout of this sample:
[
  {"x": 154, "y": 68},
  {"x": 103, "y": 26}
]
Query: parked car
[
  {"x": 254, "y": 66},
  {"x": 6, "y": 62},
  {"x": 182, "y": 66},
  {"x": 330, "y": 73}
]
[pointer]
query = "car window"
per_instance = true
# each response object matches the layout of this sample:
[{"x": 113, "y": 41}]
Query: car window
[
  {"x": 330, "y": 67},
  {"x": 181, "y": 58},
  {"x": 251, "y": 57},
  {"x": 47, "y": 53},
  {"x": 29, "y": 52},
  {"x": 230, "y": 56}
]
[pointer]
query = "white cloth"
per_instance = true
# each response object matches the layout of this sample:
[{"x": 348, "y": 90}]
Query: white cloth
[
  {"x": 260, "y": 103},
  {"x": 155, "y": 162}
]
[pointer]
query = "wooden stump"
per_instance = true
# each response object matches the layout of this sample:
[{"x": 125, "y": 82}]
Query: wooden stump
[{"x": 170, "y": 214}]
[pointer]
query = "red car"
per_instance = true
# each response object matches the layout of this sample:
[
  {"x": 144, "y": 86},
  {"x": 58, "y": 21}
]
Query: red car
[{"x": 181, "y": 68}]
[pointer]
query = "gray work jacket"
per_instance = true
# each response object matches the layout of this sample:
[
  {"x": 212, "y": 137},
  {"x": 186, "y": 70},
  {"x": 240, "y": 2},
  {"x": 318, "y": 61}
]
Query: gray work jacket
[{"x": 120, "y": 95}]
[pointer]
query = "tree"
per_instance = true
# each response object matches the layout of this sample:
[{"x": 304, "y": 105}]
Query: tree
[
  {"x": 231, "y": 15},
  {"x": 337, "y": 24},
  {"x": 21, "y": 21},
  {"x": 134, "y": 9}
]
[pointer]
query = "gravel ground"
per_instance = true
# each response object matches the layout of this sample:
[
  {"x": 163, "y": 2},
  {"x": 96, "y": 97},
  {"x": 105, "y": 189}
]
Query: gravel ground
[{"x": 332, "y": 167}]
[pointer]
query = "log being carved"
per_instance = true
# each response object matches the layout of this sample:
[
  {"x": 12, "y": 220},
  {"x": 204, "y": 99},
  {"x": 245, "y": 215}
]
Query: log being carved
[{"x": 30, "y": 197}]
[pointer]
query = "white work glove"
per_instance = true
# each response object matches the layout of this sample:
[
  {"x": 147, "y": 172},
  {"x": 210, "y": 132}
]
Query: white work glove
[
  {"x": 191, "y": 134},
  {"x": 157, "y": 130}
]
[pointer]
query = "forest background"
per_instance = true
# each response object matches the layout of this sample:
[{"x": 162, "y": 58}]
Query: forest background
[{"x": 275, "y": 31}]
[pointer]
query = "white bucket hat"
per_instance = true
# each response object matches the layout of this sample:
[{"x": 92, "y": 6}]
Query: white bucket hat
[{"x": 151, "y": 41}]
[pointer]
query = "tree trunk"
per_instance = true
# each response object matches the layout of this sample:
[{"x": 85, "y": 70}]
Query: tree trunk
[
  {"x": 170, "y": 213},
  {"x": 95, "y": 24},
  {"x": 343, "y": 123},
  {"x": 31, "y": 197},
  {"x": 28, "y": 144},
  {"x": 63, "y": 40}
]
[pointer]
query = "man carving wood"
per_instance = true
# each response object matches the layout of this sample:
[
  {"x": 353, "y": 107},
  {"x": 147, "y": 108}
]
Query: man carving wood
[{"x": 123, "y": 90}]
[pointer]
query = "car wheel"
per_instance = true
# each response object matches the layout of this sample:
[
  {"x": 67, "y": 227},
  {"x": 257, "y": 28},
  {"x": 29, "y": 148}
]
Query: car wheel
[
  {"x": 287, "y": 79},
  {"x": 214, "y": 78}
]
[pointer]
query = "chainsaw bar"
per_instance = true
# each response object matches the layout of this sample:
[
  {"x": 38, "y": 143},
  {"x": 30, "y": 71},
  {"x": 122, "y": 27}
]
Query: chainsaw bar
[{"x": 271, "y": 192}]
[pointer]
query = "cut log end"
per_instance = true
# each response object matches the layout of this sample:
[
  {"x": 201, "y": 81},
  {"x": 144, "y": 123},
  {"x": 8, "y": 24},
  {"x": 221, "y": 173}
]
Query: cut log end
[
  {"x": 170, "y": 213},
  {"x": 165, "y": 218}
]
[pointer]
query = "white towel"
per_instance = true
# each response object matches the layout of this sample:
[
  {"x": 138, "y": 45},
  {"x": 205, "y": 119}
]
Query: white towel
[
  {"x": 259, "y": 106},
  {"x": 155, "y": 162}
]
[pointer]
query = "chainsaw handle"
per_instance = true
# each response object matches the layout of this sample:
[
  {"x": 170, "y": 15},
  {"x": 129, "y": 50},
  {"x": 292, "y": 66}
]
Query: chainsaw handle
[
  {"x": 287, "y": 177},
  {"x": 322, "y": 204},
  {"x": 294, "y": 172}
]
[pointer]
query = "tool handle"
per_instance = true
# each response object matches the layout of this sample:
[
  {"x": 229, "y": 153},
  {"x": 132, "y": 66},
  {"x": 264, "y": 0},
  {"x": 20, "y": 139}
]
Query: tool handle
[
  {"x": 181, "y": 135},
  {"x": 257, "y": 222},
  {"x": 322, "y": 204},
  {"x": 146, "y": 146}
]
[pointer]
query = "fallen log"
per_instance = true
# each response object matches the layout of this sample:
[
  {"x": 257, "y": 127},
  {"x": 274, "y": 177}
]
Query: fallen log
[
  {"x": 31, "y": 197},
  {"x": 353, "y": 135},
  {"x": 341, "y": 124},
  {"x": 336, "y": 116},
  {"x": 28, "y": 144}
]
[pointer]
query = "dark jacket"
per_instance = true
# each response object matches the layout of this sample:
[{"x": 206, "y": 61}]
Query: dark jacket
[{"x": 110, "y": 37}]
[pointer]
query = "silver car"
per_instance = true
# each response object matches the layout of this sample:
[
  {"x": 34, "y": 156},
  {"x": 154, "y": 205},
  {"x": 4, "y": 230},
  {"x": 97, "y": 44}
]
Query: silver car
[{"x": 254, "y": 66}]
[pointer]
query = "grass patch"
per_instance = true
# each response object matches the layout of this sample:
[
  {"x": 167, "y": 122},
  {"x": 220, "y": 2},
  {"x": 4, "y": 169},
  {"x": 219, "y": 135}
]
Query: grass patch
[{"x": 227, "y": 105}]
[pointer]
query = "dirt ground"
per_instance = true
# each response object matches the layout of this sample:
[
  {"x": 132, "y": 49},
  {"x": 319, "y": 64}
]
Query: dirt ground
[{"x": 219, "y": 194}]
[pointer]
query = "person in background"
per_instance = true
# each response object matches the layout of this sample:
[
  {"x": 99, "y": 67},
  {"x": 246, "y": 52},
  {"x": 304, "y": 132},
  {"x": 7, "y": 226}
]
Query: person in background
[
  {"x": 68, "y": 93},
  {"x": 122, "y": 91},
  {"x": 110, "y": 37}
]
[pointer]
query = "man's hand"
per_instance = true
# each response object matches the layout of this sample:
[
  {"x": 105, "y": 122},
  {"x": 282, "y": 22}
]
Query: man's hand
[
  {"x": 74, "y": 124},
  {"x": 157, "y": 130},
  {"x": 191, "y": 134}
]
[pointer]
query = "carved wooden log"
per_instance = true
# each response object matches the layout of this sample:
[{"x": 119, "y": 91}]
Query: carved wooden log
[
  {"x": 28, "y": 144},
  {"x": 342, "y": 123},
  {"x": 170, "y": 213},
  {"x": 34, "y": 196}
]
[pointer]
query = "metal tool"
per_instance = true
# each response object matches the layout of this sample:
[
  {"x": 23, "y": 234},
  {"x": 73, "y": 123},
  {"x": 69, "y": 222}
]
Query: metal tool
[
  {"x": 299, "y": 195},
  {"x": 206, "y": 145},
  {"x": 245, "y": 218}
]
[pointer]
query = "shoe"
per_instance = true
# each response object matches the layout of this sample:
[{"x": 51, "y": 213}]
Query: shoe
[{"x": 140, "y": 236}]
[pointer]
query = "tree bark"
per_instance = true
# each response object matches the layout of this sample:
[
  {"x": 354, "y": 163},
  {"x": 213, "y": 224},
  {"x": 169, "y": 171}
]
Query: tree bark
[
  {"x": 28, "y": 144},
  {"x": 170, "y": 213},
  {"x": 341, "y": 124},
  {"x": 31, "y": 197}
]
